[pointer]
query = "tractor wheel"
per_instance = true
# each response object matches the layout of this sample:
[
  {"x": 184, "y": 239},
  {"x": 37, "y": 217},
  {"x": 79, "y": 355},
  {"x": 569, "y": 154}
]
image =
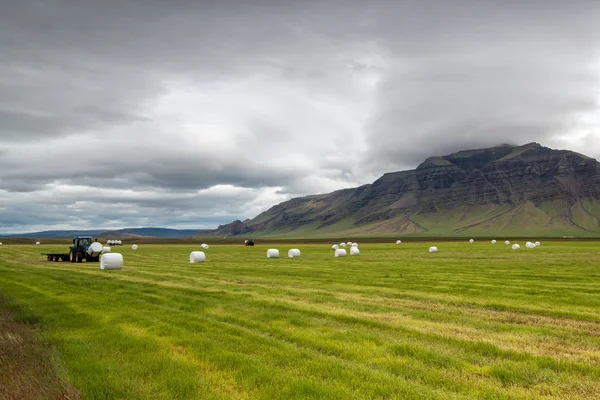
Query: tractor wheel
[
  {"x": 72, "y": 256},
  {"x": 79, "y": 258}
]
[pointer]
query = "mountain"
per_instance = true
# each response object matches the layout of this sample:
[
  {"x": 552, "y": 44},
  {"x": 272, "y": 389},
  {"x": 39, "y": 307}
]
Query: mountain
[
  {"x": 117, "y": 234},
  {"x": 510, "y": 190}
]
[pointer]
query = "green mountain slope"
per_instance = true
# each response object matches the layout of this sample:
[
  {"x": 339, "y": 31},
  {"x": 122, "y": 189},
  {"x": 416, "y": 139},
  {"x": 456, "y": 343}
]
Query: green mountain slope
[{"x": 508, "y": 190}]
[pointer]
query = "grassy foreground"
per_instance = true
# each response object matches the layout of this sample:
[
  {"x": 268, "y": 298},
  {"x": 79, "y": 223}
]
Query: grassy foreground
[{"x": 471, "y": 321}]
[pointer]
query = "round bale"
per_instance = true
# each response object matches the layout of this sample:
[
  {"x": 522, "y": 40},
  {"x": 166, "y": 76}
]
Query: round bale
[
  {"x": 113, "y": 261},
  {"x": 433, "y": 249},
  {"x": 134, "y": 246},
  {"x": 354, "y": 251},
  {"x": 272, "y": 253},
  {"x": 293, "y": 253},
  {"x": 95, "y": 249},
  {"x": 340, "y": 253},
  {"x": 197, "y": 256}
]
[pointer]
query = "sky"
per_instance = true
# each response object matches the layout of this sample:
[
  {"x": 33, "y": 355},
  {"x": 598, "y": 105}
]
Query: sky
[{"x": 191, "y": 114}]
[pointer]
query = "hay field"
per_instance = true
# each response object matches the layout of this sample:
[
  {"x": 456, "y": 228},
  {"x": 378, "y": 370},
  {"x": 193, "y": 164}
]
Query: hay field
[{"x": 471, "y": 321}]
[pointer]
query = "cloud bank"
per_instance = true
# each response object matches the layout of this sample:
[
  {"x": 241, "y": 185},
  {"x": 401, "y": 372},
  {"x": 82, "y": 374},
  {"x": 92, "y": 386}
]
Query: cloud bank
[{"x": 190, "y": 114}]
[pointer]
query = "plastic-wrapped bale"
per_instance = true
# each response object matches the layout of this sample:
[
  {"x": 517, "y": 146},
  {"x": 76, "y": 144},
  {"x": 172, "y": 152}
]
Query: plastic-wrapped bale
[
  {"x": 471, "y": 241},
  {"x": 340, "y": 253},
  {"x": 494, "y": 241},
  {"x": 134, "y": 246},
  {"x": 95, "y": 249},
  {"x": 537, "y": 244},
  {"x": 507, "y": 242},
  {"x": 516, "y": 247},
  {"x": 354, "y": 245},
  {"x": 342, "y": 244},
  {"x": 335, "y": 247},
  {"x": 0, "y": 243},
  {"x": 197, "y": 256},
  {"x": 398, "y": 241},
  {"x": 433, "y": 249},
  {"x": 117, "y": 242},
  {"x": 106, "y": 249},
  {"x": 293, "y": 253},
  {"x": 204, "y": 246},
  {"x": 111, "y": 261},
  {"x": 272, "y": 253},
  {"x": 530, "y": 245},
  {"x": 37, "y": 243},
  {"x": 354, "y": 251}
]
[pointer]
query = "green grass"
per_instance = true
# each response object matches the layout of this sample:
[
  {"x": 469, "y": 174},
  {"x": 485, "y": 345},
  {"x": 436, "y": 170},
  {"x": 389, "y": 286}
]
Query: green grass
[{"x": 473, "y": 321}]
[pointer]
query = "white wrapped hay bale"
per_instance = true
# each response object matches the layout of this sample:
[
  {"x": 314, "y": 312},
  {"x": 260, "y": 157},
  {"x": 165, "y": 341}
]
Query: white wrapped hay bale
[
  {"x": 354, "y": 245},
  {"x": 272, "y": 253},
  {"x": 293, "y": 253},
  {"x": 134, "y": 246},
  {"x": 516, "y": 247},
  {"x": 95, "y": 249},
  {"x": 340, "y": 253},
  {"x": 36, "y": 243},
  {"x": 537, "y": 244},
  {"x": 507, "y": 242},
  {"x": 106, "y": 250},
  {"x": 118, "y": 242},
  {"x": 204, "y": 246},
  {"x": 342, "y": 244},
  {"x": 335, "y": 247},
  {"x": 433, "y": 249},
  {"x": 111, "y": 261},
  {"x": 471, "y": 241},
  {"x": 354, "y": 251},
  {"x": 494, "y": 241},
  {"x": 197, "y": 256},
  {"x": 398, "y": 241}
]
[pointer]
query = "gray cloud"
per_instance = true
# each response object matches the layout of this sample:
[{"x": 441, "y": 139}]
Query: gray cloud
[{"x": 119, "y": 113}]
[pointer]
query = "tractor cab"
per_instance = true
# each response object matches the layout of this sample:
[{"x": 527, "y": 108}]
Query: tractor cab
[{"x": 81, "y": 243}]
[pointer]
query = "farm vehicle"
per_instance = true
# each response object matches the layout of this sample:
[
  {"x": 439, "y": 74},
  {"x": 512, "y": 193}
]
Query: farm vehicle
[{"x": 83, "y": 248}]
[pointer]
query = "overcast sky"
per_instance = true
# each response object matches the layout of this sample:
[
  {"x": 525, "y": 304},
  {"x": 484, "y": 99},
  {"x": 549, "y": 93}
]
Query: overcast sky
[{"x": 123, "y": 113}]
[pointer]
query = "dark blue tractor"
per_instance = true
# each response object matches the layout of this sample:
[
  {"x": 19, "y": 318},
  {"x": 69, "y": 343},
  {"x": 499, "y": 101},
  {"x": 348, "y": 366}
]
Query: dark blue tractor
[{"x": 84, "y": 248}]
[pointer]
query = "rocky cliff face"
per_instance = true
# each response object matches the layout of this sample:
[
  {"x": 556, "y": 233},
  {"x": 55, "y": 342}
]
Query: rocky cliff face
[{"x": 500, "y": 189}]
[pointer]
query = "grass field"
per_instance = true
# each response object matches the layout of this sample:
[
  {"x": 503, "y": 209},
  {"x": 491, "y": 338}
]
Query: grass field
[{"x": 471, "y": 321}]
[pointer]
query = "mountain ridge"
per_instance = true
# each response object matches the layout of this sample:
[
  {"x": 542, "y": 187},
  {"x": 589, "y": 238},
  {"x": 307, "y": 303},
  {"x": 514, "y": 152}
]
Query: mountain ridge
[{"x": 505, "y": 189}]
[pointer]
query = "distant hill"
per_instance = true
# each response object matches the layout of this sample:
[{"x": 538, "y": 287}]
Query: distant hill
[
  {"x": 509, "y": 190},
  {"x": 116, "y": 234}
]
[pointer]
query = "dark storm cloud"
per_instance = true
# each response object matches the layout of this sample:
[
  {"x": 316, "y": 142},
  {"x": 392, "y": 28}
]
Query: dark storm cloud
[
  {"x": 148, "y": 104},
  {"x": 485, "y": 74}
]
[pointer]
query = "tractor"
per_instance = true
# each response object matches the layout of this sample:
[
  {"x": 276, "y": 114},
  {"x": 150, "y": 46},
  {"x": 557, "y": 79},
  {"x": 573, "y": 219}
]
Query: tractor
[{"x": 84, "y": 248}]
